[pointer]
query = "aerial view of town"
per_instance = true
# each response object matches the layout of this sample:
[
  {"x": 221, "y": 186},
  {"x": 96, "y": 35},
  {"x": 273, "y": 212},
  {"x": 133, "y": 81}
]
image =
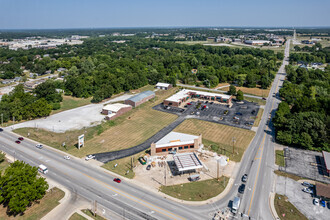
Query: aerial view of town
[{"x": 164, "y": 110}]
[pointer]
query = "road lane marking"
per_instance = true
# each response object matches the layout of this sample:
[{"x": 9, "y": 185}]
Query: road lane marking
[{"x": 135, "y": 199}]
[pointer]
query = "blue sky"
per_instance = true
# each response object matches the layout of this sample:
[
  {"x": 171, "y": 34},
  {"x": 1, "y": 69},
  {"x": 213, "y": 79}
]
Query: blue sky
[{"x": 44, "y": 14}]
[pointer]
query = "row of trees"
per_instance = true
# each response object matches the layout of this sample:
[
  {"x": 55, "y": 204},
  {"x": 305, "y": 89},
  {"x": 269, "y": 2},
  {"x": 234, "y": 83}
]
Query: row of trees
[
  {"x": 20, "y": 186},
  {"x": 302, "y": 118},
  {"x": 317, "y": 54}
]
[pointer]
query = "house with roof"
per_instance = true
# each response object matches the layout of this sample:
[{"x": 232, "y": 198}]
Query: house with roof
[
  {"x": 163, "y": 86},
  {"x": 140, "y": 98}
]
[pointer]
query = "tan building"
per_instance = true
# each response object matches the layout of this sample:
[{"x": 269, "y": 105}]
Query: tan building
[
  {"x": 113, "y": 111},
  {"x": 175, "y": 142}
]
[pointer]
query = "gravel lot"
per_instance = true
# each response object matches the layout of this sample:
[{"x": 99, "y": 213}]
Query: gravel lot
[
  {"x": 301, "y": 200},
  {"x": 73, "y": 119},
  {"x": 216, "y": 113}
]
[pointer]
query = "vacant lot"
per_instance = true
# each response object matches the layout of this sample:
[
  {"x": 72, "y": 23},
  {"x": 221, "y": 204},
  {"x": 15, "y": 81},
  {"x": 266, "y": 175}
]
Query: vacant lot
[
  {"x": 286, "y": 210},
  {"x": 126, "y": 131},
  {"x": 38, "y": 210},
  {"x": 218, "y": 137},
  {"x": 70, "y": 102},
  {"x": 196, "y": 191},
  {"x": 252, "y": 91}
]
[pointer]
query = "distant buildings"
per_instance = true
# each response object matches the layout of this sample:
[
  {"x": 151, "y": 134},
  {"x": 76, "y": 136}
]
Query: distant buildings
[{"x": 257, "y": 42}]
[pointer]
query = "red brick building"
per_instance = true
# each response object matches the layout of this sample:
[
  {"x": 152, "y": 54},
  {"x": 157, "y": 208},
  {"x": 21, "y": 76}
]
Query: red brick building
[{"x": 113, "y": 111}]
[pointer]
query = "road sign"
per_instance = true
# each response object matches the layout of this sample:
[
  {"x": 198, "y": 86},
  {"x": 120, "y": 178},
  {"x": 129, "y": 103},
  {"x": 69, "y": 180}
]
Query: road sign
[{"x": 81, "y": 141}]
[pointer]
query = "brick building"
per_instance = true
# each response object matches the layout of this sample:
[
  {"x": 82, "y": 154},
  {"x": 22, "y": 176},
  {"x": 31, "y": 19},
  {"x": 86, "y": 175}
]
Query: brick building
[
  {"x": 113, "y": 111},
  {"x": 176, "y": 142},
  {"x": 140, "y": 98}
]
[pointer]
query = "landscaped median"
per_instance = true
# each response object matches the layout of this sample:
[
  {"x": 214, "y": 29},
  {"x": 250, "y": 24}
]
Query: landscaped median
[{"x": 196, "y": 191}]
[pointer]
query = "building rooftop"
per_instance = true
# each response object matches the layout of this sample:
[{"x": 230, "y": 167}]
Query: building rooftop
[
  {"x": 185, "y": 93},
  {"x": 163, "y": 84},
  {"x": 175, "y": 138},
  {"x": 141, "y": 96},
  {"x": 115, "y": 107},
  {"x": 187, "y": 161},
  {"x": 322, "y": 190},
  {"x": 326, "y": 156}
]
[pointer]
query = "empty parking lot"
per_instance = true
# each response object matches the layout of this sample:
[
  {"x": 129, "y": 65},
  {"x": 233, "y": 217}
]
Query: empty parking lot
[{"x": 240, "y": 115}]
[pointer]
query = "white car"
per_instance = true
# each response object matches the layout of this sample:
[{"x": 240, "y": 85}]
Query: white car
[
  {"x": 316, "y": 201},
  {"x": 39, "y": 146},
  {"x": 67, "y": 157},
  {"x": 89, "y": 157},
  {"x": 307, "y": 190}
]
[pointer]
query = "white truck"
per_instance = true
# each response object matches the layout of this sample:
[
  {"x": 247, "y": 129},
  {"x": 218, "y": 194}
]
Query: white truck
[
  {"x": 235, "y": 205},
  {"x": 42, "y": 169}
]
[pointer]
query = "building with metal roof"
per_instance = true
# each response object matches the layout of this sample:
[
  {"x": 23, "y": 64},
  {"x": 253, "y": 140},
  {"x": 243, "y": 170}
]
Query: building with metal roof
[
  {"x": 113, "y": 111},
  {"x": 140, "y": 98},
  {"x": 187, "y": 161},
  {"x": 163, "y": 86}
]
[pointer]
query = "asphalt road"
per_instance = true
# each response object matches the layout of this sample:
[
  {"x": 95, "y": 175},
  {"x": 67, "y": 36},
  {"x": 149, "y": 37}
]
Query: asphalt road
[{"x": 134, "y": 202}]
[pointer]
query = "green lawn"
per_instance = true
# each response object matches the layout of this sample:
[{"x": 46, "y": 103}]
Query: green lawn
[
  {"x": 259, "y": 101},
  {"x": 70, "y": 102},
  {"x": 285, "y": 210},
  {"x": 76, "y": 216},
  {"x": 90, "y": 214},
  {"x": 38, "y": 209},
  {"x": 279, "y": 158},
  {"x": 196, "y": 191}
]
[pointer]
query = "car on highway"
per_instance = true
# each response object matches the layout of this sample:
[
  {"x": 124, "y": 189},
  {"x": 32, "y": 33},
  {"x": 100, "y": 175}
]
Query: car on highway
[
  {"x": 39, "y": 146},
  {"x": 307, "y": 184},
  {"x": 307, "y": 190},
  {"x": 316, "y": 201},
  {"x": 67, "y": 157},
  {"x": 17, "y": 142},
  {"x": 89, "y": 157},
  {"x": 117, "y": 180},
  {"x": 244, "y": 178},
  {"x": 241, "y": 189},
  {"x": 20, "y": 138},
  {"x": 148, "y": 167}
]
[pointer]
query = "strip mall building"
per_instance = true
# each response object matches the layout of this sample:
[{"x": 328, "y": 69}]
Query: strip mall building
[{"x": 184, "y": 95}]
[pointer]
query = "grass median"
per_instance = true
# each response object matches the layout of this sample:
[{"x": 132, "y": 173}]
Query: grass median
[
  {"x": 286, "y": 210},
  {"x": 279, "y": 158},
  {"x": 196, "y": 191}
]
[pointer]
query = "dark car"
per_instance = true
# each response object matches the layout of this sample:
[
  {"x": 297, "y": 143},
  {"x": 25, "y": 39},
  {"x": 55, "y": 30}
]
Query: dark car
[
  {"x": 241, "y": 189},
  {"x": 20, "y": 138},
  {"x": 225, "y": 112},
  {"x": 206, "y": 102},
  {"x": 264, "y": 98},
  {"x": 253, "y": 112},
  {"x": 1, "y": 129},
  {"x": 182, "y": 110},
  {"x": 238, "y": 113},
  {"x": 117, "y": 180},
  {"x": 17, "y": 142},
  {"x": 307, "y": 184},
  {"x": 186, "y": 106},
  {"x": 149, "y": 167},
  {"x": 244, "y": 178},
  {"x": 211, "y": 103}
]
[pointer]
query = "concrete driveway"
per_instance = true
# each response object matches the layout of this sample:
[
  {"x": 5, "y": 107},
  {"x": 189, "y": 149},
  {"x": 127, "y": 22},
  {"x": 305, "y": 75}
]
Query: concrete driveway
[{"x": 72, "y": 119}]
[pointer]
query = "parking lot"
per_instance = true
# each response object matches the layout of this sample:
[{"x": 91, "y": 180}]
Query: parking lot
[
  {"x": 308, "y": 164},
  {"x": 239, "y": 114},
  {"x": 301, "y": 200}
]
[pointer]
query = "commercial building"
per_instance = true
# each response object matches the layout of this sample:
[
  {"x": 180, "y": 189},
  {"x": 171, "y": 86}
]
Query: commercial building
[
  {"x": 113, "y": 111},
  {"x": 177, "y": 99},
  {"x": 326, "y": 157},
  {"x": 140, "y": 98},
  {"x": 322, "y": 190},
  {"x": 257, "y": 42},
  {"x": 175, "y": 142},
  {"x": 163, "y": 86}
]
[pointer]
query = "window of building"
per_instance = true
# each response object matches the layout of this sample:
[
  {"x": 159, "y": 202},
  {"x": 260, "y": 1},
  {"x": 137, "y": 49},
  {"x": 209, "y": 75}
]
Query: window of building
[
  {"x": 169, "y": 149},
  {"x": 180, "y": 148},
  {"x": 191, "y": 146},
  {"x": 164, "y": 150},
  {"x": 185, "y": 147}
]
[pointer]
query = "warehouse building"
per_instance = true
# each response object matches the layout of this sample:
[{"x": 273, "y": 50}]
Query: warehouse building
[
  {"x": 140, "y": 98},
  {"x": 184, "y": 95},
  {"x": 113, "y": 111},
  {"x": 257, "y": 42},
  {"x": 163, "y": 86},
  {"x": 175, "y": 142}
]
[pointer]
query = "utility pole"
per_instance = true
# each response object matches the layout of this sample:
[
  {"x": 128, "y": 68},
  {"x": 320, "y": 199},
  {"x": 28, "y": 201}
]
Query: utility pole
[
  {"x": 165, "y": 173},
  {"x": 131, "y": 162}
]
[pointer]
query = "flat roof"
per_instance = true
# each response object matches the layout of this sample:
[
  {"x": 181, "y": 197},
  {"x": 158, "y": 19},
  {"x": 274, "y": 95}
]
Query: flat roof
[
  {"x": 141, "y": 96},
  {"x": 175, "y": 138},
  {"x": 163, "y": 84},
  {"x": 326, "y": 156},
  {"x": 322, "y": 190},
  {"x": 187, "y": 161},
  {"x": 185, "y": 93},
  {"x": 115, "y": 107}
]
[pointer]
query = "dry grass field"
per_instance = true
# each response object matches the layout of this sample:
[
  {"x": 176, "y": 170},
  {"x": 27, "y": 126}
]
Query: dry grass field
[
  {"x": 218, "y": 137},
  {"x": 126, "y": 131},
  {"x": 70, "y": 102},
  {"x": 252, "y": 91}
]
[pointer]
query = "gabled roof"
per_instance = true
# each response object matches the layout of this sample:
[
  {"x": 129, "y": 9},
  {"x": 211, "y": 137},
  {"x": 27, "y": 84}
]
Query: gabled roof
[{"x": 141, "y": 96}]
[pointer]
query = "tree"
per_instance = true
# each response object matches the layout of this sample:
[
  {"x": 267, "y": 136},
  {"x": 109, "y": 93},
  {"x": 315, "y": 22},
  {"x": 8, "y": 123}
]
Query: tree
[
  {"x": 2, "y": 157},
  {"x": 232, "y": 90},
  {"x": 240, "y": 95},
  {"x": 20, "y": 186}
]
